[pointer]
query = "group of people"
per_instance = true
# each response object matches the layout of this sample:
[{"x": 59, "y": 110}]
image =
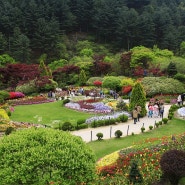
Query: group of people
[{"x": 155, "y": 109}]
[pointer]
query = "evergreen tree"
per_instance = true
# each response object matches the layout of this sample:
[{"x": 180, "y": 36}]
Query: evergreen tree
[
  {"x": 171, "y": 69},
  {"x": 44, "y": 71},
  {"x": 82, "y": 77},
  {"x": 138, "y": 97},
  {"x": 134, "y": 175}
]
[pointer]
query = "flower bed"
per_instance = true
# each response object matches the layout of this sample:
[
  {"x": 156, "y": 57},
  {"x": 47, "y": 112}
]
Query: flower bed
[
  {"x": 30, "y": 100},
  {"x": 147, "y": 159}
]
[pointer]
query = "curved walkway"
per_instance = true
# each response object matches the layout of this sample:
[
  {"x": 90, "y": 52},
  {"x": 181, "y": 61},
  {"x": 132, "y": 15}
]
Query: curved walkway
[{"x": 127, "y": 128}]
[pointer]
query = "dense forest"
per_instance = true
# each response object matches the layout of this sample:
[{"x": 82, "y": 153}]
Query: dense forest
[{"x": 29, "y": 29}]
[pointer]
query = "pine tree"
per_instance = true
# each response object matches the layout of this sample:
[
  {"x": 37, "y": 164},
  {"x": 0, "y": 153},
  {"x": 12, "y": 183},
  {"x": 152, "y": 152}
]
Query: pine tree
[
  {"x": 172, "y": 70},
  {"x": 134, "y": 175},
  {"x": 138, "y": 97}
]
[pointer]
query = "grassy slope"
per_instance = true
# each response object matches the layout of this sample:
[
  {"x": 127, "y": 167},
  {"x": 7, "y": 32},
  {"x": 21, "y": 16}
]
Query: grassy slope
[
  {"x": 48, "y": 111},
  {"x": 104, "y": 147}
]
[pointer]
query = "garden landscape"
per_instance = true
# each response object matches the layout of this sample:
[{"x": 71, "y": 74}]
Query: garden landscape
[{"x": 92, "y": 92}]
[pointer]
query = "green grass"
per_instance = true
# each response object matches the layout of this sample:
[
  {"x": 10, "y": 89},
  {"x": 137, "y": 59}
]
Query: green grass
[
  {"x": 105, "y": 147},
  {"x": 49, "y": 112}
]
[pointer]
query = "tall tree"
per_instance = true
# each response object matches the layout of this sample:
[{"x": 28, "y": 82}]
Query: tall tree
[
  {"x": 82, "y": 78},
  {"x": 138, "y": 97}
]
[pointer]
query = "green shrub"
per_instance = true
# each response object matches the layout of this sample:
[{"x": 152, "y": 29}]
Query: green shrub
[
  {"x": 100, "y": 123},
  {"x": 167, "y": 100},
  {"x": 157, "y": 125},
  {"x": 80, "y": 121},
  {"x": 170, "y": 116},
  {"x": 118, "y": 133},
  {"x": 150, "y": 127},
  {"x": 110, "y": 121},
  {"x": 45, "y": 156},
  {"x": 158, "y": 85},
  {"x": 160, "y": 122},
  {"x": 123, "y": 118},
  {"x": 27, "y": 88},
  {"x": 9, "y": 130},
  {"x": 3, "y": 96},
  {"x": 142, "y": 129},
  {"x": 99, "y": 135},
  {"x": 173, "y": 108},
  {"x": 122, "y": 106},
  {"x": 67, "y": 126},
  {"x": 66, "y": 101},
  {"x": 165, "y": 120},
  {"x": 82, "y": 126},
  {"x": 94, "y": 124}
]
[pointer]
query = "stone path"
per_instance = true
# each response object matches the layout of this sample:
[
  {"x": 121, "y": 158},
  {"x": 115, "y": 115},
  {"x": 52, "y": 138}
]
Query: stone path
[{"x": 127, "y": 128}]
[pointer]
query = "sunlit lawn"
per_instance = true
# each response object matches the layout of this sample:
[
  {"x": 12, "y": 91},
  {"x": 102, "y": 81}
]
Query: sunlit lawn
[
  {"x": 47, "y": 113},
  {"x": 104, "y": 147}
]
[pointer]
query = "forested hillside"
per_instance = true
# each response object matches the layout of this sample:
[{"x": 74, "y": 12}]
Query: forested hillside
[{"x": 28, "y": 29}]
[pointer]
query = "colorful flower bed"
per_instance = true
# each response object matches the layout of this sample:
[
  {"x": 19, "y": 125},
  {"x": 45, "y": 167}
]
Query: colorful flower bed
[
  {"x": 89, "y": 105},
  {"x": 147, "y": 158},
  {"x": 30, "y": 100}
]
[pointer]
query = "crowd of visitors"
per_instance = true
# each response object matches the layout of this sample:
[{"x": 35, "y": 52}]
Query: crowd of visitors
[{"x": 156, "y": 109}]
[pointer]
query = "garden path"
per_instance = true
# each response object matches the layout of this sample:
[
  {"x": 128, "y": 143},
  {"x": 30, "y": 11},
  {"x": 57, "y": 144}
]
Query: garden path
[{"x": 127, "y": 128}]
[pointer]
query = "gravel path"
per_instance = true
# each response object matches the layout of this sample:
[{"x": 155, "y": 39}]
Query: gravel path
[{"x": 127, "y": 128}]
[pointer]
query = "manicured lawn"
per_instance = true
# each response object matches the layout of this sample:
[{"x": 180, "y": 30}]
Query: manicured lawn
[
  {"x": 105, "y": 147},
  {"x": 51, "y": 113}
]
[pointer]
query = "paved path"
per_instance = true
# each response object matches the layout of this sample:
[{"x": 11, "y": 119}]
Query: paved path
[{"x": 108, "y": 131}]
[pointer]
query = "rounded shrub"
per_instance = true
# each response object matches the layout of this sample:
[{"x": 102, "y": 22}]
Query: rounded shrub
[
  {"x": 80, "y": 121},
  {"x": 67, "y": 126},
  {"x": 45, "y": 156},
  {"x": 173, "y": 165},
  {"x": 165, "y": 120},
  {"x": 118, "y": 133},
  {"x": 123, "y": 118},
  {"x": 142, "y": 129},
  {"x": 99, "y": 135},
  {"x": 150, "y": 127}
]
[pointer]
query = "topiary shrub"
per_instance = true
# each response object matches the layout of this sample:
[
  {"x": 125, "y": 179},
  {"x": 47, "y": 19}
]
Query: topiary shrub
[
  {"x": 160, "y": 122},
  {"x": 165, "y": 120},
  {"x": 45, "y": 156},
  {"x": 142, "y": 129},
  {"x": 99, "y": 135},
  {"x": 150, "y": 127},
  {"x": 173, "y": 165},
  {"x": 118, "y": 133}
]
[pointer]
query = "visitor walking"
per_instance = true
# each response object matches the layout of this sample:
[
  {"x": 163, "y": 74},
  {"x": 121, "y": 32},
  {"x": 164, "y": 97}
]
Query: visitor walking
[
  {"x": 135, "y": 115},
  {"x": 161, "y": 111},
  {"x": 150, "y": 110},
  {"x": 179, "y": 100},
  {"x": 138, "y": 107}
]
